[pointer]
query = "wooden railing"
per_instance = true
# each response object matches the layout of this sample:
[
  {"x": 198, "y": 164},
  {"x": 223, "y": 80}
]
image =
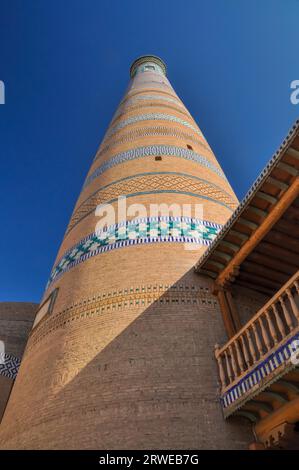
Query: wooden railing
[{"x": 262, "y": 334}]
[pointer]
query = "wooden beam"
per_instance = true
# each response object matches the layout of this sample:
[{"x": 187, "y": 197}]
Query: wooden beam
[
  {"x": 289, "y": 413},
  {"x": 257, "y": 211},
  {"x": 247, "y": 223},
  {"x": 288, "y": 168},
  {"x": 214, "y": 263},
  {"x": 289, "y": 386},
  {"x": 279, "y": 252},
  {"x": 281, "y": 397},
  {"x": 279, "y": 184},
  {"x": 293, "y": 152},
  {"x": 281, "y": 239},
  {"x": 238, "y": 234},
  {"x": 288, "y": 227},
  {"x": 276, "y": 212},
  {"x": 222, "y": 255},
  {"x": 231, "y": 246},
  {"x": 267, "y": 273},
  {"x": 255, "y": 287},
  {"x": 208, "y": 273},
  {"x": 292, "y": 213},
  {"x": 295, "y": 374},
  {"x": 247, "y": 414},
  {"x": 260, "y": 280},
  {"x": 270, "y": 262},
  {"x": 266, "y": 197},
  {"x": 260, "y": 405},
  {"x": 226, "y": 316},
  {"x": 233, "y": 310}
]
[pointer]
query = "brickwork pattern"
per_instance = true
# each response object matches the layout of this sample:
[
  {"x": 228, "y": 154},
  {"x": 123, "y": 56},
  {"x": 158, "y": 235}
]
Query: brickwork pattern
[
  {"x": 146, "y": 184},
  {"x": 153, "y": 150},
  {"x": 150, "y": 132},
  {"x": 16, "y": 320}
]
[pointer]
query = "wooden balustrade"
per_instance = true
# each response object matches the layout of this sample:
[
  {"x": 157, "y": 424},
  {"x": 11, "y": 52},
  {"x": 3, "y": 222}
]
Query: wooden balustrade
[{"x": 261, "y": 335}]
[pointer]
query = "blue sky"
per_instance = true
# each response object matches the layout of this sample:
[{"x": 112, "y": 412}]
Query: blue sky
[{"x": 65, "y": 65}]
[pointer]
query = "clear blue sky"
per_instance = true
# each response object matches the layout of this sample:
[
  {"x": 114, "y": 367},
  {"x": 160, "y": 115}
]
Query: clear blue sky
[{"x": 65, "y": 64}]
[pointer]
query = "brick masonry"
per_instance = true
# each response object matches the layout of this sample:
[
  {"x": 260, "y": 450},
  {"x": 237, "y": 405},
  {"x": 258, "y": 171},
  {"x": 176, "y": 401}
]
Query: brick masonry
[
  {"x": 16, "y": 320},
  {"x": 126, "y": 357}
]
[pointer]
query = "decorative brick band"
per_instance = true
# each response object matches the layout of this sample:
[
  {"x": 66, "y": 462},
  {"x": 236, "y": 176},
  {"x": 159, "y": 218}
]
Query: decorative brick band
[
  {"x": 139, "y": 231},
  {"x": 147, "y": 132},
  {"x": 150, "y": 117},
  {"x": 133, "y": 107},
  {"x": 246, "y": 388},
  {"x": 153, "y": 83},
  {"x": 112, "y": 301},
  {"x": 156, "y": 96},
  {"x": 153, "y": 183},
  {"x": 10, "y": 367},
  {"x": 136, "y": 92},
  {"x": 153, "y": 150}
]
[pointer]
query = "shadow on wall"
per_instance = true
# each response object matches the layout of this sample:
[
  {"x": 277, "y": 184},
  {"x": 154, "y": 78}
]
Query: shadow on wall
[{"x": 147, "y": 381}]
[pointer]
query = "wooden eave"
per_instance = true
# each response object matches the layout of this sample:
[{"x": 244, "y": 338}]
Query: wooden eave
[{"x": 258, "y": 247}]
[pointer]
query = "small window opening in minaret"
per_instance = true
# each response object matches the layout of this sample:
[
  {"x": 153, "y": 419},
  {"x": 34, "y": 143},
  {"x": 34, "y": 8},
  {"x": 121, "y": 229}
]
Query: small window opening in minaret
[
  {"x": 189, "y": 147},
  {"x": 149, "y": 67},
  {"x": 158, "y": 158}
]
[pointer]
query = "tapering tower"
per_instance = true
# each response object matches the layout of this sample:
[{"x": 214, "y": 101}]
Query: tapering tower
[{"x": 121, "y": 352}]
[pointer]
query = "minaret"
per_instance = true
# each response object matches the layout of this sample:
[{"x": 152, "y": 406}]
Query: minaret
[{"x": 121, "y": 351}]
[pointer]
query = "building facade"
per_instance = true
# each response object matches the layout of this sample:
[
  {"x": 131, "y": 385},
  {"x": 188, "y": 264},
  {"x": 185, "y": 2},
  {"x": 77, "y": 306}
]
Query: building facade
[
  {"x": 121, "y": 352},
  {"x": 257, "y": 253},
  {"x": 16, "y": 320}
]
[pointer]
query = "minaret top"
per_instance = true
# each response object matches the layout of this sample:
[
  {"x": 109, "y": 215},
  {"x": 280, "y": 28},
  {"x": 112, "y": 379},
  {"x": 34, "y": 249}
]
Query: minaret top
[{"x": 148, "y": 63}]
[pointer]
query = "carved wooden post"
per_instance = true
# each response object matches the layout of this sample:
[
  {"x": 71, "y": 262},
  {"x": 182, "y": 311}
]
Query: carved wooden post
[
  {"x": 271, "y": 327},
  {"x": 280, "y": 326},
  {"x": 258, "y": 340},
  {"x": 293, "y": 304},
  {"x": 245, "y": 352},
  {"x": 234, "y": 364},
  {"x": 251, "y": 346},
  {"x": 220, "y": 366},
  {"x": 239, "y": 355},
  {"x": 265, "y": 334},
  {"x": 286, "y": 313},
  {"x": 228, "y": 366}
]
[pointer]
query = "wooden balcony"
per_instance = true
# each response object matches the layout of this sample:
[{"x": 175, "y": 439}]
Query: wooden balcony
[{"x": 261, "y": 353}]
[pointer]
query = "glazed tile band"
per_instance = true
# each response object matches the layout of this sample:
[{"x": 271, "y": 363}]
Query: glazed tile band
[
  {"x": 10, "y": 366},
  {"x": 153, "y": 150},
  {"x": 151, "y": 131},
  {"x": 160, "y": 229},
  {"x": 150, "y": 117},
  {"x": 162, "y": 182}
]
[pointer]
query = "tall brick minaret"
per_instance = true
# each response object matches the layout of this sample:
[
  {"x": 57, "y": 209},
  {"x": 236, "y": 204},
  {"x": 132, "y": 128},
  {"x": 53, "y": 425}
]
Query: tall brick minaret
[{"x": 121, "y": 352}]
